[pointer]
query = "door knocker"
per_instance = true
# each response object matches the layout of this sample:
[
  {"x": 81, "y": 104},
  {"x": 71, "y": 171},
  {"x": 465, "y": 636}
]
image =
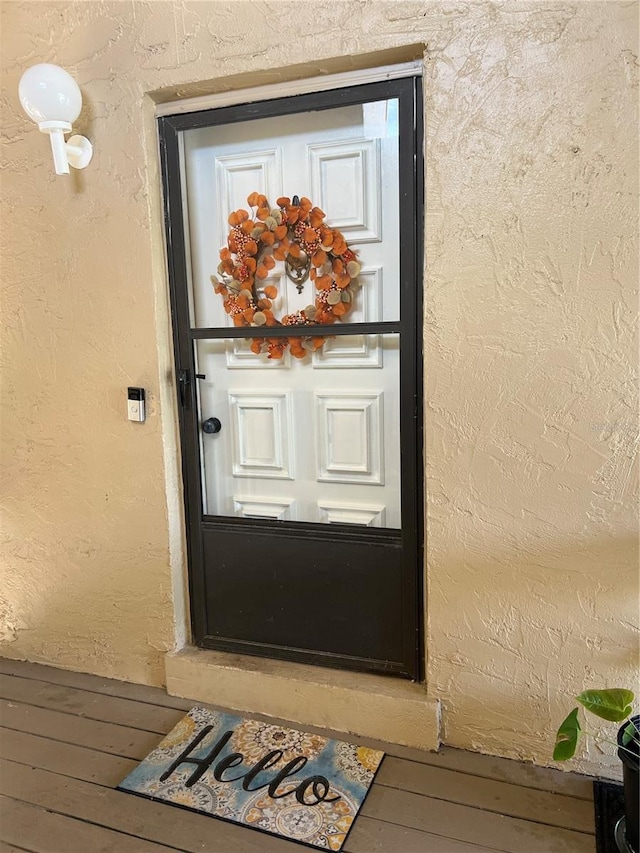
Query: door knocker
[{"x": 297, "y": 270}]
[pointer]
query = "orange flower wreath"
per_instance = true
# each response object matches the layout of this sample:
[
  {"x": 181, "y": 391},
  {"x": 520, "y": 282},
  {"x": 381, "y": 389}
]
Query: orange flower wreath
[{"x": 293, "y": 232}]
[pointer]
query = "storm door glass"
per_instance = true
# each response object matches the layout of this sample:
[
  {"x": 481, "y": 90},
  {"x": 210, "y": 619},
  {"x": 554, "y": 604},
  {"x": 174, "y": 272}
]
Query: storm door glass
[
  {"x": 309, "y": 427},
  {"x": 303, "y": 439}
]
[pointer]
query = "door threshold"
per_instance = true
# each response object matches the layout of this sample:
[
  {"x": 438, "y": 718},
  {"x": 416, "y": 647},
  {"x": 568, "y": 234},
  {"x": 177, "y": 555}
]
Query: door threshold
[{"x": 374, "y": 706}]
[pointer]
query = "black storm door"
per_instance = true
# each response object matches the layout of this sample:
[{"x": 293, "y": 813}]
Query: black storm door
[{"x": 298, "y": 368}]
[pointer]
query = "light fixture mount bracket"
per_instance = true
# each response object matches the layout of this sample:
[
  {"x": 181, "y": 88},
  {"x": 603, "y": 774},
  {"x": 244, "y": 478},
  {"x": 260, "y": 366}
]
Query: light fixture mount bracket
[{"x": 79, "y": 151}]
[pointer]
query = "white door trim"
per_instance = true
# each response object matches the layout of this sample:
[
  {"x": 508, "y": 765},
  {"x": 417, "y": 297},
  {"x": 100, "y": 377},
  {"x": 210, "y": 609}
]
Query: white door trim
[{"x": 290, "y": 87}]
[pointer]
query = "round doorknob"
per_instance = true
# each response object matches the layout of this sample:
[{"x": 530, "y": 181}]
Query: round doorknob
[{"x": 211, "y": 426}]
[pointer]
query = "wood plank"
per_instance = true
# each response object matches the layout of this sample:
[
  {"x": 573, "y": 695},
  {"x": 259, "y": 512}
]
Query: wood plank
[
  {"x": 94, "y": 683},
  {"x": 64, "y": 758},
  {"x": 473, "y": 763},
  {"x": 377, "y": 836},
  {"x": 70, "y": 700},
  {"x": 505, "y": 770},
  {"x": 126, "y": 813},
  {"x": 34, "y": 829},
  {"x": 500, "y": 797},
  {"x": 107, "y": 737},
  {"x": 462, "y": 823},
  {"x": 11, "y": 848}
]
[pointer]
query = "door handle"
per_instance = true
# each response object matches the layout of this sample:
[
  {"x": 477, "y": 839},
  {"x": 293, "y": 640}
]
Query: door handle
[
  {"x": 211, "y": 426},
  {"x": 184, "y": 383}
]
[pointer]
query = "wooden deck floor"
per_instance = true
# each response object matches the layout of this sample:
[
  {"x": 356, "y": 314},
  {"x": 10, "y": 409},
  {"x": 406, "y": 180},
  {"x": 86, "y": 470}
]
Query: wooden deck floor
[{"x": 66, "y": 740}]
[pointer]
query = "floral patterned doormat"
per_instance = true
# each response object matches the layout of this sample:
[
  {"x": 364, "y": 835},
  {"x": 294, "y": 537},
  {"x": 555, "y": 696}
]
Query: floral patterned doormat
[{"x": 294, "y": 784}]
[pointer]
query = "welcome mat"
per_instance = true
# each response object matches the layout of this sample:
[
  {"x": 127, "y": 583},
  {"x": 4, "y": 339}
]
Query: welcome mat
[{"x": 294, "y": 784}]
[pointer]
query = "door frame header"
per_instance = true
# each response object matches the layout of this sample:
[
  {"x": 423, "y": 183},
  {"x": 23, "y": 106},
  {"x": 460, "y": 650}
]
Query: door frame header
[{"x": 290, "y": 87}]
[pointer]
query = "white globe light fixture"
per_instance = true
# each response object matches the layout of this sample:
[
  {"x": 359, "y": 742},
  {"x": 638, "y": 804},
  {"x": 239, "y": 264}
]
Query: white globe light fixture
[{"x": 51, "y": 97}]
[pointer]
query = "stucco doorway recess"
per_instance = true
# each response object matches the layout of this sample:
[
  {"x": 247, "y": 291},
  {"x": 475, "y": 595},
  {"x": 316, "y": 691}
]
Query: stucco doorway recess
[{"x": 304, "y": 511}]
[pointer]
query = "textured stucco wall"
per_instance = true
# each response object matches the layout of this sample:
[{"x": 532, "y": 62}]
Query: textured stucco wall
[{"x": 530, "y": 350}]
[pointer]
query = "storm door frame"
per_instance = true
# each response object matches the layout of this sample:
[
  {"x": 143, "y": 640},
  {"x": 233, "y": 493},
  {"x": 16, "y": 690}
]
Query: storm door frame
[{"x": 408, "y": 90}]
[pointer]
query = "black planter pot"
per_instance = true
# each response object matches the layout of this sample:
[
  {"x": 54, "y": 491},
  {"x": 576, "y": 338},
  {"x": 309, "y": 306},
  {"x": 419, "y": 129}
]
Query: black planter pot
[{"x": 630, "y": 776}]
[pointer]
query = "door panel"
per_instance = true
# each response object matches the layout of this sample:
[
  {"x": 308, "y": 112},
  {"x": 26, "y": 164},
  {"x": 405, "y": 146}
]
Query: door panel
[
  {"x": 303, "y": 477},
  {"x": 289, "y": 598}
]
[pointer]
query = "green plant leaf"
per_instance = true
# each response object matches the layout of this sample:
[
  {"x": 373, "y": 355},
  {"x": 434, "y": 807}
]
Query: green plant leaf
[
  {"x": 630, "y": 734},
  {"x": 613, "y": 705},
  {"x": 567, "y": 737}
]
